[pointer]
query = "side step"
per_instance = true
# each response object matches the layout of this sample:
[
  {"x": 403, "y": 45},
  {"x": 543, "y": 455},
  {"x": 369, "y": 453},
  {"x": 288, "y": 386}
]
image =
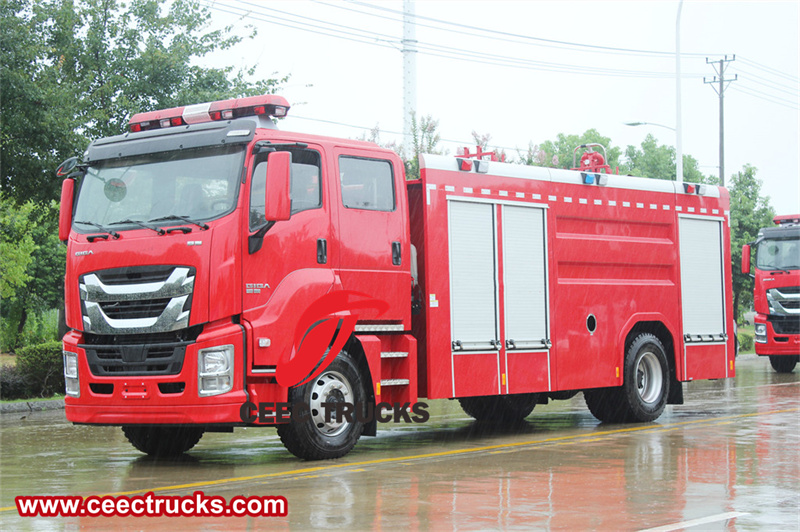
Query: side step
[{"x": 394, "y": 382}]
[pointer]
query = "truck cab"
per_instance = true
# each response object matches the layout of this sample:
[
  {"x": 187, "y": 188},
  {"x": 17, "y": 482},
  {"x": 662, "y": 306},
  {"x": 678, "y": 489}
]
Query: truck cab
[
  {"x": 195, "y": 243},
  {"x": 776, "y": 295}
]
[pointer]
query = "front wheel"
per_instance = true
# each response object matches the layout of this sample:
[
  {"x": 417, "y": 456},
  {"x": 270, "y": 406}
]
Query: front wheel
[
  {"x": 314, "y": 432},
  {"x": 162, "y": 442},
  {"x": 783, "y": 363}
]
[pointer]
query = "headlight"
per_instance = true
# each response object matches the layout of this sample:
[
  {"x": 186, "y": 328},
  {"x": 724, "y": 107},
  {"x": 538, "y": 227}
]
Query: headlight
[
  {"x": 73, "y": 386},
  {"x": 761, "y": 333},
  {"x": 215, "y": 370}
]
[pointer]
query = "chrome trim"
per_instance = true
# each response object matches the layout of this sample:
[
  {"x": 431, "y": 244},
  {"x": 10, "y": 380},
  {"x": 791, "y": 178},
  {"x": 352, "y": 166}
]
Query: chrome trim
[
  {"x": 172, "y": 318},
  {"x": 379, "y": 328},
  {"x": 179, "y": 283},
  {"x": 776, "y": 299}
]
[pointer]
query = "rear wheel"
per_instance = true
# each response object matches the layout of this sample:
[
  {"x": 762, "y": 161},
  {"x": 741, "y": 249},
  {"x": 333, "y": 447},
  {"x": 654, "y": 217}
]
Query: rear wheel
[
  {"x": 643, "y": 395},
  {"x": 646, "y": 382},
  {"x": 499, "y": 408},
  {"x": 783, "y": 363},
  {"x": 162, "y": 442},
  {"x": 312, "y": 435}
]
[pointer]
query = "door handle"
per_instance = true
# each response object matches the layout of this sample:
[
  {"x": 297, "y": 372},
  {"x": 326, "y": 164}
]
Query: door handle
[
  {"x": 397, "y": 258},
  {"x": 322, "y": 251}
]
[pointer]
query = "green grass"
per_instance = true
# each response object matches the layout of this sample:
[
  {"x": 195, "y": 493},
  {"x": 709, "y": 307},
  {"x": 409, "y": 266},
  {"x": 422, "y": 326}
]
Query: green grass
[{"x": 34, "y": 399}]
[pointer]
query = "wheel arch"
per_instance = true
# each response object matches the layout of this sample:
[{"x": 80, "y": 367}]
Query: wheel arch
[{"x": 658, "y": 327}]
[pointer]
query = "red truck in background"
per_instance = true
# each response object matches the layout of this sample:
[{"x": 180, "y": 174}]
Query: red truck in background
[
  {"x": 776, "y": 296},
  {"x": 201, "y": 239}
]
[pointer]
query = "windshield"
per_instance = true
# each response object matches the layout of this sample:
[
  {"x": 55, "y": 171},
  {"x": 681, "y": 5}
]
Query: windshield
[
  {"x": 778, "y": 254},
  {"x": 198, "y": 185}
]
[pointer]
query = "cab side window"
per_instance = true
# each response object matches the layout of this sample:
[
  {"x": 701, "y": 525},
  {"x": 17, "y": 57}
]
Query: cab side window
[
  {"x": 367, "y": 183},
  {"x": 306, "y": 189}
]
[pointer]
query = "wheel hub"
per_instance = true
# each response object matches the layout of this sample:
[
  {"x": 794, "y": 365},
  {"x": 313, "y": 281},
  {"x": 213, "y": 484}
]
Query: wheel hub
[
  {"x": 649, "y": 378},
  {"x": 329, "y": 388}
]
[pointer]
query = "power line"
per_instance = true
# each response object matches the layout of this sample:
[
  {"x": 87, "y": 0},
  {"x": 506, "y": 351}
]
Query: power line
[
  {"x": 367, "y": 37},
  {"x": 755, "y": 78},
  {"x": 530, "y": 38},
  {"x": 502, "y": 36},
  {"x": 773, "y": 71},
  {"x": 766, "y": 97}
]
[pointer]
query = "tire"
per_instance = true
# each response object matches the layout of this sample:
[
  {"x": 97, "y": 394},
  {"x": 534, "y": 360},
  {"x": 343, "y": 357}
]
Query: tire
[
  {"x": 645, "y": 390},
  {"x": 607, "y": 404},
  {"x": 501, "y": 408},
  {"x": 783, "y": 363},
  {"x": 308, "y": 435},
  {"x": 162, "y": 442}
]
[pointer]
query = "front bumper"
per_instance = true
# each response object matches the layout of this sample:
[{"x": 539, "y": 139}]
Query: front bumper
[
  {"x": 159, "y": 399},
  {"x": 775, "y": 344}
]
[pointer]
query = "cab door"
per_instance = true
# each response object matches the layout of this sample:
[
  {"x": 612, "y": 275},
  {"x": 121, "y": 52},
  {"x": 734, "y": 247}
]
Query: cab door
[
  {"x": 374, "y": 251},
  {"x": 291, "y": 266}
]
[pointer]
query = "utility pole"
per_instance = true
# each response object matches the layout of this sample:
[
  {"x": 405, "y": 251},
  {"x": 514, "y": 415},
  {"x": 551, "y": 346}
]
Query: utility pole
[
  {"x": 409, "y": 75},
  {"x": 720, "y": 67},
  {"x": 678, "y": 113}
]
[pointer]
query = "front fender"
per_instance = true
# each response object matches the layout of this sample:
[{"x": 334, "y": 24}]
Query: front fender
[{"x": 271, "y": 327}]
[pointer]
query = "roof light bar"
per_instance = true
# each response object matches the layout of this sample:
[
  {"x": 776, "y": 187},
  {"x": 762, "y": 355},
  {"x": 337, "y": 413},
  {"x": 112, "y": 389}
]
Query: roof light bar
[{"x": 267, "y": 104}]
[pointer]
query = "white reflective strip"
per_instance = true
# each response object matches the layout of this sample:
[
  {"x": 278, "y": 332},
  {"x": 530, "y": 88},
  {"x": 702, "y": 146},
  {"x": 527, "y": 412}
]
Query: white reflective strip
[
  {"x": 598, "y": 202},
  {"x": 552, "y": 198},
  {"x": 428, "y": 189},
  {"x": 504, "y": 193},
  {"x": 536, "y": 196},
  {"x": 486, "y": 191},
  {"x": 626, "y": 203},
  {"x": 449, "y": 188},
  {"x": 468, "y": 190},
  {"x": 196, "y": 114},
  {"x": 567, "y": 199}
]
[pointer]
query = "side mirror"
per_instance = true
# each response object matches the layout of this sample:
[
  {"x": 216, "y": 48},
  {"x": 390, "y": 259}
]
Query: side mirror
[
  {"x": 746, "y": 258},
  {"x": 278, "y": 206},
  {"x": 65, "y": 211},
  {"x": 66, "y": 167}
]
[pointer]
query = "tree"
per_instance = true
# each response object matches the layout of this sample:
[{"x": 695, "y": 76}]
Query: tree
[
  {"x": 74, "y": 70},
  {"x": 658, "y": 162},
  {"x": 750, "y": 211},
  {"x": 16, "y": 253},
  {"x": 534, "y": 156},
  {"x": 78, "y": 69},
  {"x": 425, "y": 139}
]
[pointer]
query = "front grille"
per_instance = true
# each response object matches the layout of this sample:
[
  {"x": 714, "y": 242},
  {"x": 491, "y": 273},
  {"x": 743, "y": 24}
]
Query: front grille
[
  {"x": 136, "y": 359},
  {"x": 785, "y": 325},
  {"x": 121, "y": 310},
  {"x": 135, "y": 275},
  {"x": 137, "y": 299}
]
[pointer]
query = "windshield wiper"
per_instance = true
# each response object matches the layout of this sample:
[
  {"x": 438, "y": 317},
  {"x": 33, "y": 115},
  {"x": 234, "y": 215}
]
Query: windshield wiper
[
  {"x": 91, "y": 238},
  {"x": 186, "y": 219},
  {"x": 140, "y": 224}
]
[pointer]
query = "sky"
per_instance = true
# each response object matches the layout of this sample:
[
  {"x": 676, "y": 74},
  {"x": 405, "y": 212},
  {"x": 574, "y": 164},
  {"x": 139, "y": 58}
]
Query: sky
[{"x": 525, "y": 71}]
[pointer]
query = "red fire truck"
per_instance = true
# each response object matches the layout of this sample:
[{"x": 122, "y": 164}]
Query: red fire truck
[
  {"x": 199, "y": 240},
  {"x": 776, "y": 296}
]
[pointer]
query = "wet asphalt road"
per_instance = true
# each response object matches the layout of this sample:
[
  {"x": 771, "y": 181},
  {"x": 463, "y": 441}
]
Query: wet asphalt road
[{"x": 728, "y": 459}]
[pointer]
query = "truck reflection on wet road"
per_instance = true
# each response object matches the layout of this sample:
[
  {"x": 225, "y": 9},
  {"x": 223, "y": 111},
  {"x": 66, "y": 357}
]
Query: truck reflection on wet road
[{"x": 727, "y": 459}]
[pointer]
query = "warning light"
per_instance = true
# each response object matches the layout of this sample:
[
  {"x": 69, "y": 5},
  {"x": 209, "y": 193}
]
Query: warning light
[{"x": 264, "y": 105}]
